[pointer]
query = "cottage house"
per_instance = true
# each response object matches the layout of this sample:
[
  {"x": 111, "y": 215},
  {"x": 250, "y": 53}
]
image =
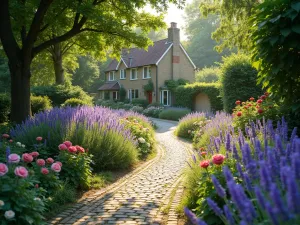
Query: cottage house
[{"x": 137, "y": 69}]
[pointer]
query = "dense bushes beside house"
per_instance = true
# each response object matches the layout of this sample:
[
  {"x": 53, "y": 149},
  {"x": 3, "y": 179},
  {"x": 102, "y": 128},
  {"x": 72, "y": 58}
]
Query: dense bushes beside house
[
  {"x": 208, "y": 75},
  {"x": 186, "y": 94},
  {"x": 238, "y": 79},
  {"x": 58, "y": 94},
  {"x": 173, "y": 113},
  {"x": 140, "y": 102},
  {"x": 73, "y": 102},
  {"x": 39, "y": 104}
]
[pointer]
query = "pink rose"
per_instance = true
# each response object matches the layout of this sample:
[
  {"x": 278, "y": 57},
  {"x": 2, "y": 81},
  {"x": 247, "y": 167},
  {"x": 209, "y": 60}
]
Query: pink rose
[
  {"x": 34, "y": 154},
  {"x": 21, "y": 171},
  {"x": 5, "y": 136},
  {"x": 40, "y": 162},
  {"x": 44, "y": 171},
  {"x": 72, "y": 149},
  {"x": 68, "y": 143},
  {"x": 204, "y": 164},
  {"x": 3, "y": 169},
  {"x": 39, "y": 138},
  {"x": 27, "y": 158},
  {"x": 56, "y": 167},
  {"x": 50, "y": 160},
  {"x": 59, "y": 163},
  {"x": 13, "y": 158},
  {"x": 11, "y": 141},
  {"x": 79, "y": 148},
  {"x": 62, "y": 147},
  {"x": 218, "y": 159}
]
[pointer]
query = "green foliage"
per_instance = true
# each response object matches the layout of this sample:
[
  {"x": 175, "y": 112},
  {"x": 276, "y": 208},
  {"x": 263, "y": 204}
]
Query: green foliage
[
  {"x": 173, "y": 84},
  {"x": 173, "y": 113},
  {"x": 208, "y": 75},
  {"x": 4, "y": 76},
  {"x": 186, "y": 94},
  {"x": 251, "y": 111},
  {"x": 58, "y": 94},
  {"x": 234, "y": 28},
  {"x": 140, "y": 102},
  {"x": 73, "y": 102},
  {"x": 187, "y": 127},
  {"x": 87, "y": 73},
  {"x": 122, "y": 93},
  {"x": 200, "y": 45},
  {"x": 76, "y": 169},
  {"x": 238, "y": 80},
  {"x": 137, "y": 109},
  {"x": 149, "y": 86},
  {"x": 4, "y": 107},
  {"x": 153, "y": 111},
  {"x": 275, "y": 52},
  {"x": 101, "y": 179},
  {"x": 114, "y": 105},
  {"x": 40, "y": 103}
]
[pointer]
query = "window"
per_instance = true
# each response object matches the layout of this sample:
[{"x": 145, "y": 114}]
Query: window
[
  {"x": 146, "y": 72},
  {"x": 165, "y": 97},
  {"x": 111, "y": 76},
  {"x": 123, "y": 74},
  {"x": 115, "y": 95},
  {"x": 133, "y": 93},
  {"x": 133, "y": 74}
]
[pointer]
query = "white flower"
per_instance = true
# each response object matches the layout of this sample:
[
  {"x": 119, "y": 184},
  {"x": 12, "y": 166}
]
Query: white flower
[
  {"x": 37, "y": 199},
  {"x": 19, "y": 144},
  {"x": 141, "y": 140},
  {"x": 9, "y": 214},
  {"x": 23, "y": 146},
  {"x": 1, "y": 203},
  {"x": 148, "y": 145}
]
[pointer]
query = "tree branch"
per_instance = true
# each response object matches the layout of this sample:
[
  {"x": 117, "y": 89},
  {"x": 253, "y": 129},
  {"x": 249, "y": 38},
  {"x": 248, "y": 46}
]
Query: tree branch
[{"x": 8, "y": 40}]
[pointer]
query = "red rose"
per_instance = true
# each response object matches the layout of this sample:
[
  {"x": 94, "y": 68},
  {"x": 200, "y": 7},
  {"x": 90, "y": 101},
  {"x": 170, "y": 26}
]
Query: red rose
[
  {"x": 259, "y": 101},
  {"x": 260, "y": 111},
  {"x": 50, "y": 160},
  {"x": 263, "y": 97},
  {"x": 204, "y": 164},
  {"x": 39, "y": 138},
  {"x": 79, "y": 148},
  {"x": 251, "y": 99},
  {"x": 5, "y": 136},
  {"x": 203, "y": 153},
  {"x": 246, "y": 107},
  {"x": 239, "y": 113},
  {"x": 249, "y": 105},
  {"x": 27, "y": 158},
  {"x": 218, "y": 159},
  {"x": 34, "y": 154},
  {"x": 72, "y": 149},
  {"x": 238, "y": 102}
]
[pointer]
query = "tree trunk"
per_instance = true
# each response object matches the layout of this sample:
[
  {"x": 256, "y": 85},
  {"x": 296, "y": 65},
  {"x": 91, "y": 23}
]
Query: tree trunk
[
  {"x": 20, "y": 91},
  {"x": 57, "y": 62}
]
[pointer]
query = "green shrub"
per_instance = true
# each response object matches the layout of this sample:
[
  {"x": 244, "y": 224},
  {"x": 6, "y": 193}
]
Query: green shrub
[
  {"x": 173, "y": 114},
  {"x": 208, "y": 75},
  {"x": 156, "y": 104},
  {"x": 189, "y": 124},
  {"x": 73, "y": 102},
  {"x": 39, "y": 103},
  {"x": 58, "y": 94},
  {"x": 140, "y": 102},
  {"x": 238, "y": 80},
  {"x": 152, "y": 111},
  {"x": 185, "y": 95},
  {"x": 137, "y": 109},
  {"x": 4, "y": 107}
]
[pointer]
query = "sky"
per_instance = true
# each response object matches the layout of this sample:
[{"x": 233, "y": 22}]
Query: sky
[{"x": 175, "y": 15}]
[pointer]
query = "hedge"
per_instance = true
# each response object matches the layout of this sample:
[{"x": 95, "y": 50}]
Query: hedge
[
  {"x": 40, "y": 103},
  {"x": 185, "y": 95}
]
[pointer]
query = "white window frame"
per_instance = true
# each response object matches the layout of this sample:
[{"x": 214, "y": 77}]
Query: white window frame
[
  {"x": 116, "y": 95},
  {"x": 135, "y": 74},
  {"x": 113, "y": 74},
  {"x": 168, "y": 97},
  {"x": 122, "y": 74},
  {"x": 129, "y": 94},
  {"x": 148, "y": 75}
]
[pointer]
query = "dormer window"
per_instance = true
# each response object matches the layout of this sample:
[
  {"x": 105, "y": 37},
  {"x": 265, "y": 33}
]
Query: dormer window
[
  {"x": 111, "y": 76},
  {"x": 146, "y": 72}
]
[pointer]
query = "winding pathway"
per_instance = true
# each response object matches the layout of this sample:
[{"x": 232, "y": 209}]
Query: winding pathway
[{"x": 148, "y": 195}]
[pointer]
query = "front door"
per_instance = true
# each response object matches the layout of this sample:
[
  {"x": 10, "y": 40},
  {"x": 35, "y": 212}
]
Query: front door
[{"x": 149, "y": 97}]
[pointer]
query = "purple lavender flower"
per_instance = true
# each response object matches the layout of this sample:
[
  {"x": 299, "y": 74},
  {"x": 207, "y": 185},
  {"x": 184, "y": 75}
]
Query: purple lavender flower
[
  {"x": 248, "y": 182},
  {"x": 192, "y": 217},
  {"x": 293, "y": 194},
  {"x": 265, "y": 176},
  {"x": 296, "y": 165},
  {"x": 293, "y": 135},
  {"x": 7, "y": 153},
  {"x": 194, "y": 158},
  {"x": 260, "y": 198},
  {"x": 272, "y": 163},
  {"x": 278, "y": 202},
  {"x": 246, "y": 152},
  {"x": 227, "y": 174},
  {"x": 228, "y": 215},
  {"x": 228, "y": 142},
  {"x": 219, "y": 189},
  {"x": 235, "y": 152},
  {"x": 278, "y": 144},
  {"x": 240, "y": 170},
  {"x": 214, "y": 207}
]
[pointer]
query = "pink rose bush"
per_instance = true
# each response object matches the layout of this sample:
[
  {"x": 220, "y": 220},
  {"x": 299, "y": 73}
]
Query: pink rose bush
[
  {"x": 21, "y": 171},
  {"x": 3, "y": 169}
]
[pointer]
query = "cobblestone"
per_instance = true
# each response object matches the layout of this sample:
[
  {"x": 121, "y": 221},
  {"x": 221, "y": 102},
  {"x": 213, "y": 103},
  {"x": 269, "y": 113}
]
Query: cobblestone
[{"x": 139, "y": 198}]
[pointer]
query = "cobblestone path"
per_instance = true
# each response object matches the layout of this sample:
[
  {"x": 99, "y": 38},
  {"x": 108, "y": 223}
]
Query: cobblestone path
[{"x": 142, "y": 197}]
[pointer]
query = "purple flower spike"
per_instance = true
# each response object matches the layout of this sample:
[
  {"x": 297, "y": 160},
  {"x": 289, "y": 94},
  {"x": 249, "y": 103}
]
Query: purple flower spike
[
  {"x": 194, "y": 158},
  {"x": 265, "y": 176},
  {"x": 278, "y": 144},
  {"x": 246, "y": 151},
  {"x": 192, "y": 217},
  {"x": 293, "y": 194},
  {"x": 228, "y": 215},
  {"x": 243, "y": 222},
  {"x": 227, "y": 174},
  {"x": 240, "y": 170},
  {"x": 235, "y": 152},
  {"x": 278, "y": 202},
  {"x": 272, "y": 214},
  {"x": 296, "y": 164},
  {"x": 248, "y": 182},
  {"x": 260, "y": 198},
  {"x": 228, "y": 142},
  {"x": 219, "y": 189},
  {"x": 7, "y": 153},
  {"x": 214, "y": 207}
]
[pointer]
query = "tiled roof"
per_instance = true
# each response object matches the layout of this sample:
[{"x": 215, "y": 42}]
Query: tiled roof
[
  {"x": 110, "y": 86},
  {"x": 141, "y": 57}
]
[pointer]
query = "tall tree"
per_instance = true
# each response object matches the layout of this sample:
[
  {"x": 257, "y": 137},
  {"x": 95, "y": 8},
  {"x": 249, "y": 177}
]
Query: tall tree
[
  {"x": 234, "y": 29},
  {"x": 200, "y": 45},
  {"x": 24, "y": 23}
]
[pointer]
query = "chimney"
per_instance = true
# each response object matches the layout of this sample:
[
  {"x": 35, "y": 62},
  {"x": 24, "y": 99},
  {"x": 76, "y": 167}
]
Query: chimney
[
  {"x": 174, "y": 37},
  {"x": 174, "y": 34}
]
